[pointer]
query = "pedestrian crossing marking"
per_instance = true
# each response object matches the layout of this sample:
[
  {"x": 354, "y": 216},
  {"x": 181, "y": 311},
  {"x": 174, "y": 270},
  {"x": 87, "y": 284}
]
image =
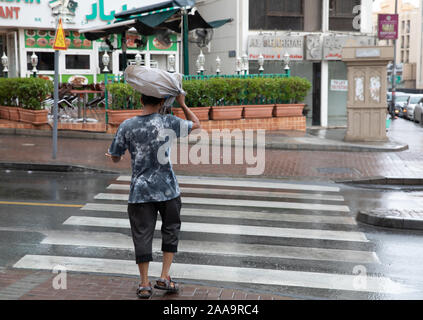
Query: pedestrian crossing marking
[
  {"x": 197, "y": 272},
  {"x": 266, "y": 194},
  {"x": 247, "y": 183},
  {"x": 229, "y": 229},
  {"x": 240, "y": 203},
  {"x": 114, "y": 240},
  {"x": 245, "y": 215}
]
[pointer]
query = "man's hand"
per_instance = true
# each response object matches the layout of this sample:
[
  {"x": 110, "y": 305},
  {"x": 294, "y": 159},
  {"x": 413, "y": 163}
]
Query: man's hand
[{"x": 114, "y": 158}]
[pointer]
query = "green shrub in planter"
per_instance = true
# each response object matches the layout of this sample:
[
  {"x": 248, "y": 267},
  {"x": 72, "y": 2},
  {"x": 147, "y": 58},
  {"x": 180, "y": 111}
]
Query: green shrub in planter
[
  {"x": 223, "y": 91},
  {"x": 9, "y": 92},
  {"x": 124, "y": 97},
  {"x": 32, "y": 92}
]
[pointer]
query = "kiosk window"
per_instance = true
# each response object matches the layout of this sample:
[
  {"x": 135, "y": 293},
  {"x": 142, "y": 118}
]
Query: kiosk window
[
  {"x": 77, "y": 62},
  {"x": 45, "y": 61}
]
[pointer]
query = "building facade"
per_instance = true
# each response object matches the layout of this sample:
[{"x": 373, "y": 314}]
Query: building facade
[
  {"x": 409, "y": 41},
  {"x": 312, "y": 32},
  {"x": 28, "y": 27}
]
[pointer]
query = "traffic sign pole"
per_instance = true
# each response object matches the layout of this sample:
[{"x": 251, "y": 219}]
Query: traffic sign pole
[{"x": 59, "y": 44}]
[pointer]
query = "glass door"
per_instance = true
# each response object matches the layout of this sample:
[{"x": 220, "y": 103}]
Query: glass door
[
  {"x": 2, "y": 49},
  {"x": 12, "y": 54}
]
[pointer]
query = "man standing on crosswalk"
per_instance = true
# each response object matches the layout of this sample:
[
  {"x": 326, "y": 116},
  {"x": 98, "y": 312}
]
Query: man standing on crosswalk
[{"x": 154, "y": 187}]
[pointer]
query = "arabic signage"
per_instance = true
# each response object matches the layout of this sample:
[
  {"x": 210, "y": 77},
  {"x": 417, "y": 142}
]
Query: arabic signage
[
  {"x": 274, "y": 47},
  {"x": 388, "y": 26},
  {"x": 333, "y": 44},
  {"x": 76, "y": 14}
]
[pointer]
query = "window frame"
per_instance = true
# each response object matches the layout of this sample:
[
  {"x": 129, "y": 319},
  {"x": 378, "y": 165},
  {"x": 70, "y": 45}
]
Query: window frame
[{"x": 283, "y": 13}]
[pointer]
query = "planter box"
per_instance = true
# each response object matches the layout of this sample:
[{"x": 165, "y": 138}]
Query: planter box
[
  {"x": 4, "y": 112},
  {"x": 289, "y": 110},
  {"x": 226, "y": 113},
  {"x": 202, "y": 113},
  {"x": 14, "y": 113},
  {"x": 116, "y": 117},
  {"x": 258, "y": 111},
  {"x": 35, "y": 117}
]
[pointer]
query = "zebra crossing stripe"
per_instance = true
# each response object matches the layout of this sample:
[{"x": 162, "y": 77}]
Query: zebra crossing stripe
[
  {"x": 247, "y": 183},
  {"x": 240, "y": 203},
  {"x": 219, "y": 274},
  {"x": 230, "y": 229},
  {"x": 266, "y": 194},
  {"x": 247, "y": 215},
  {"x": 121, "y": 241}
]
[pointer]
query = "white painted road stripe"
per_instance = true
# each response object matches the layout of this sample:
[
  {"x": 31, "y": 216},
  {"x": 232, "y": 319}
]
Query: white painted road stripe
[
  {"x": 122, "y": 241},
  {"x": 247, "y": 183},
  {"x": 245, "y": 193},
  {"x": 209, "y": 213},
  {"x": 219, "y": 274},
  {"x": 230, "y": 229},
  {"x": 240, "y": 203}
]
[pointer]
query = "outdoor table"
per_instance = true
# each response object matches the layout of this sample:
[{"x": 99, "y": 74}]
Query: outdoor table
[{"x": 83, "y": 99}]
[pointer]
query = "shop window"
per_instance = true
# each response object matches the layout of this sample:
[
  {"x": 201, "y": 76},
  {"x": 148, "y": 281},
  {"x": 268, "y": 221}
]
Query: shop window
[
  {"x": 277, "y": 15},
  {"x": 45, "y": 61},
  {"x": 342, "y": 14},
  {"x": 77, "y": 62}
]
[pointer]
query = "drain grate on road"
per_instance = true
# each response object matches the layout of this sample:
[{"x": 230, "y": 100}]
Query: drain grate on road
[{"x": 338, "y": 171}]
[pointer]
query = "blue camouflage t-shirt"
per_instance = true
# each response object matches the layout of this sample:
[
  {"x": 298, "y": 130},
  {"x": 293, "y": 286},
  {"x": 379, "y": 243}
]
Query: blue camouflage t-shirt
[{"x": 148, "y": 140}]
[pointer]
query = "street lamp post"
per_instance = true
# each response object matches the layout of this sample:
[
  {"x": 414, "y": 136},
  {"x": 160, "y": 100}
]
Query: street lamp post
[
  {"x": 261, "y": 64},
  {"x": 218, "y": 65},
  {"x": 5, "y": 63},
  {"x": 34, "y": 62},
  {"x": 394, "y": 71},
  {"x": 106, "y": 61},
  {"x": 138, "y": 59},
  {"x": 202, "y": 62},
  {"x": 245, "y": 64},
  {"x": 171, "y": 63},
  {"x": 287, "y": 59},
  {"x": 238, "y": 65}
]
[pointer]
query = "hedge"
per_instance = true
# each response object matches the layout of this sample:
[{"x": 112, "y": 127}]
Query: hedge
[
  {"x": 235, "y": 91},
  {"x": 223, "y": 91},
  {"x": 27, "y": 93}
]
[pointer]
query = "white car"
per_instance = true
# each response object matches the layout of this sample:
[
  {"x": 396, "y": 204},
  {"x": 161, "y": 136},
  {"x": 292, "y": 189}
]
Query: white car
[
  {"x": 414, "y": 100},
  {"x": 418, "y": 113}
]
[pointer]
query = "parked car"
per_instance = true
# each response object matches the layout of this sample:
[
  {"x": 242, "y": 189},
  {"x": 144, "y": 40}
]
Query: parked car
[
  {"x": 413, "y": 101},
  {"x": 418, "y": 113},
  {"x": 401, "y": 101}
]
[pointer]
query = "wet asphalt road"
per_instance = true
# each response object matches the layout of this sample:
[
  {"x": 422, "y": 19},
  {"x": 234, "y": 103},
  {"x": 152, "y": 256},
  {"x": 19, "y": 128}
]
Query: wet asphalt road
[{"x": 21, "y": 226}]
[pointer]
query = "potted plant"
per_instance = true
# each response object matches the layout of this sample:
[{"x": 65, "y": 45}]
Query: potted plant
[
  {"x": 8, "y": 99},
  {"x": 31, "y": 94},
  {"x": 260, "y": 93},
  {"x": 292, "y": 92},
  {"x": 125, "y": 103},
  {"x": 228, "y": 95}
]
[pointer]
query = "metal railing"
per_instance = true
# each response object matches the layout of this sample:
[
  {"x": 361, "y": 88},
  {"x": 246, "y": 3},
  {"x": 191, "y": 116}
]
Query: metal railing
[{"x": 236, "y": 76}]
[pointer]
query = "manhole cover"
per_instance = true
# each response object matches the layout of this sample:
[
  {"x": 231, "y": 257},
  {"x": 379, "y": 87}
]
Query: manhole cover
[{"x": 338, "y": 170}]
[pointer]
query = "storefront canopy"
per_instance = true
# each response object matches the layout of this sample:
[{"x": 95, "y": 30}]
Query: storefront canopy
[
  {"x": 178, "y": 16},
  {"x": 150, "y": 20}
]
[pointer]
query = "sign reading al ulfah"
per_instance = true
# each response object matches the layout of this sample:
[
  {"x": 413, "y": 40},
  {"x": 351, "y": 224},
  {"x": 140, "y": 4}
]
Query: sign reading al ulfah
[{"x": 274, "y": 47}]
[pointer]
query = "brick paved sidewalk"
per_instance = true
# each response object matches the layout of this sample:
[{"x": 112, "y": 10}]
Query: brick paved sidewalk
[{"x": 38, "y": 285}]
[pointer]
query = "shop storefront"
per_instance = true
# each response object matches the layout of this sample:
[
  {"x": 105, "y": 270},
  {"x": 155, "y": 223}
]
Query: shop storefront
[{"x": 29, "y": 27}]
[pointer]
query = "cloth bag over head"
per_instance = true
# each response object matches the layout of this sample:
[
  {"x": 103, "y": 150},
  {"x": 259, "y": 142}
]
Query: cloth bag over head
[{"x": 155, "y": 83}]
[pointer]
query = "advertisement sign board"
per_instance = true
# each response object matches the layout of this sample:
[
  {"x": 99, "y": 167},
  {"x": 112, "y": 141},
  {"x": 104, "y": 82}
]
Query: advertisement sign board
[{"x": 388, "y": 26}]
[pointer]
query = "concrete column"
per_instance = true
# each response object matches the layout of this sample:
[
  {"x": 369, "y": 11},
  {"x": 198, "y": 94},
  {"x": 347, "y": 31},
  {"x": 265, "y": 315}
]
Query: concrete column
[
  {"x": 366, "y": 16},
  {"x": 324, "y": 95},
  {"x": 312, "y": 15},
  {"x": 325, "y": 15}
]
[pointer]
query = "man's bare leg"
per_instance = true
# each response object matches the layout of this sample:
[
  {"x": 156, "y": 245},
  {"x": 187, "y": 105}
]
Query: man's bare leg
[
  {"x": 143, "y": 267},
  {"x": 167, "y": 262}
]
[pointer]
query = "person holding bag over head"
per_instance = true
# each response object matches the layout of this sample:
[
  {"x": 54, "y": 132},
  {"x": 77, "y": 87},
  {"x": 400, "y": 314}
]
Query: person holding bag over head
[{"x": 154, "y": 187}]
